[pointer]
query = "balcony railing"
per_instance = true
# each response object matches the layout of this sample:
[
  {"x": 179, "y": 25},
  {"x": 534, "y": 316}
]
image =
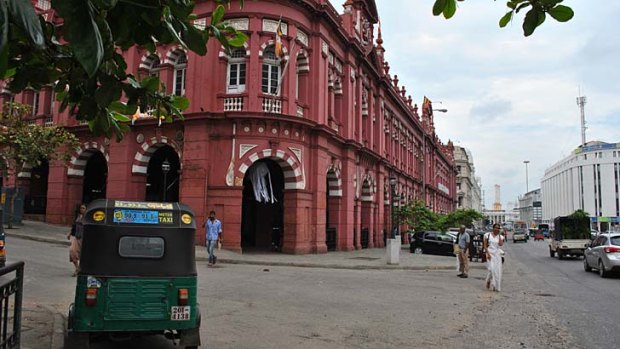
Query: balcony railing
[
  {"x": 233, "y": 104},
  {"x": 272, "y": 105}
]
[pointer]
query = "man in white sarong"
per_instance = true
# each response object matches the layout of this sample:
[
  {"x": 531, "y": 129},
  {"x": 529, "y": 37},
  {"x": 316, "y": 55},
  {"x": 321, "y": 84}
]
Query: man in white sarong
[{"x": 492, "y": 243}]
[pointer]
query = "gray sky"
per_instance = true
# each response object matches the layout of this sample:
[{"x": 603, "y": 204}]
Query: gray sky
[{"x": 509, "y": 98}]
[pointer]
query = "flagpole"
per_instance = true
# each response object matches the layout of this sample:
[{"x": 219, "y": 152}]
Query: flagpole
[{"x": 284, "y": 70}]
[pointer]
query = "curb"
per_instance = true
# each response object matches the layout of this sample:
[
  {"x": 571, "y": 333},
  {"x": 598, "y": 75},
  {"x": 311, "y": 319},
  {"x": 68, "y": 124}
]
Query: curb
[
  {"x": 58, "y": 332},
  {"x": 278, "y": 264},
  {"x": 337, "y": 266},
  {"x": 39, "y": 239}
]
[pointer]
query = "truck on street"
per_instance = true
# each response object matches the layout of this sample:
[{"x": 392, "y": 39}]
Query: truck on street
[{"x": 570, "y": 235}]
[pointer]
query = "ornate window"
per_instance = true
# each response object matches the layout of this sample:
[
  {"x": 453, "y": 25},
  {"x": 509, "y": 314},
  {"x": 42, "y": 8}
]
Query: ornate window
[
  {"x": 271, "y": 71},
  {"x": 180, "y": 73},
  {"x": 236, "y": 71},
  {"x": 152, "y": 65},
  {"x": 35, "y": 103}
]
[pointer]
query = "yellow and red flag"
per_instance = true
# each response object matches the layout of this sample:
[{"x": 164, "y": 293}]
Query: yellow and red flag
[
  {"x": 279, "y": 39},
  {"x": 426, "y": 106}
]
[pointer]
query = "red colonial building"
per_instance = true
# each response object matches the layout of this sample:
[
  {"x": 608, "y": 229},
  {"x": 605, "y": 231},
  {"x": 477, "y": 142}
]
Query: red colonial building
[{"x": 293, "y": 152}]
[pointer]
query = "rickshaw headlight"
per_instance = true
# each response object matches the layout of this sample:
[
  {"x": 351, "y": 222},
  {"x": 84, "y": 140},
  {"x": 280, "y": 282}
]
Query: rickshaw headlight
[
  {"x": 91, "y": 297},
  {"x": 183, "y": 296}
]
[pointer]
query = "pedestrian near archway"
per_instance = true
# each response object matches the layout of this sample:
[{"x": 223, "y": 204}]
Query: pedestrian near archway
[{"x": 213, "y": 234}]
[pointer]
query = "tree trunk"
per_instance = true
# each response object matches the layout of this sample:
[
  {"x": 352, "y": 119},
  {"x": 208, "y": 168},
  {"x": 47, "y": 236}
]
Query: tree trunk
[{"x": 12, "y": 207}]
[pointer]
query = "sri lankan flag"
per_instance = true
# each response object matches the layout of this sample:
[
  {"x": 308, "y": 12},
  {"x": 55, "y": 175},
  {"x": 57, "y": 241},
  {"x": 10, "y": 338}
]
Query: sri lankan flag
[
  {"x": 279, "y": 39},
  {"x": 427, "y": 106}
]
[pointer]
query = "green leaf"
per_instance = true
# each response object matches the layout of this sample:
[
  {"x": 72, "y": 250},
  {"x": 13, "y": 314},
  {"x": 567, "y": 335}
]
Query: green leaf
[
  {"x": 238, "y": 39},
  {"x": 180, "y": 102},
  {"x": 521, "y": 7},
  {"x": 218, "y": 14},
  {"x": 439, "y": 7},
  {"x": 107, "y": 93},
  {"x": 82, "y": 32},
  {"x": 533, "y": 19},
  {"x": 505, "y": 19},
  {"x": 195, "y": 41},
  {"x": 450, "y": 9},
  {"x": 561, "y": 13},
  {"x": 171, "y": 29},
  {"x": 26, "y": 19},
  {"x": 120, "y": 117},
  {"x": 4, "y": 25},
  {"x": 150, "y": 83},
  {"x": 118, "y": 107}
]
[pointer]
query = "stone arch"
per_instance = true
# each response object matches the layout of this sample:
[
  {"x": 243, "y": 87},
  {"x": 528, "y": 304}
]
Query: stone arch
[
  {"x": 293, "y": 174},
  {"x": 147, "y": 60},
  {"x": 173, "y": 55},
  {"x": 368, "y": 189},
  {"x": 303, "y": 65},
  {"x": 224, "y": 53},
  {"x": 80, "y": 157},
  {"x": 272, "y": 43},
  {"x": 334, "y": 182},
  {"x": 144, "y": 153}
]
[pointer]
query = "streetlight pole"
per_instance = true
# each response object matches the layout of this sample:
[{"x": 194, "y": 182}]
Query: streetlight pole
[
  {"x": 527, "y": 187},
  {"x": 392, "y": 201},
  {"x": 165, "y": 168}
]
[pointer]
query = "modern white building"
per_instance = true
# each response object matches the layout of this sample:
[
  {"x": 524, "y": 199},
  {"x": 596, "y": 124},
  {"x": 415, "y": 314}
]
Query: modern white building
[
  {"x": 530, "y": 207},
  {"x": 588, "y": 179},
  {"x": 469, "y": 193}
]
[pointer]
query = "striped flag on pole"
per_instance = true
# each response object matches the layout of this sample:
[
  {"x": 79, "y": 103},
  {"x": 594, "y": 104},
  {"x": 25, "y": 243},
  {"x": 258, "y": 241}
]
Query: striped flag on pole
[{"x": 279, "y": 39}]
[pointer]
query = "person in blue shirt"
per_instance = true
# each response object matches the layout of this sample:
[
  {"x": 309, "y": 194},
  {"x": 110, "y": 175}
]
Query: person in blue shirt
[{"x": 213, "y": 232}]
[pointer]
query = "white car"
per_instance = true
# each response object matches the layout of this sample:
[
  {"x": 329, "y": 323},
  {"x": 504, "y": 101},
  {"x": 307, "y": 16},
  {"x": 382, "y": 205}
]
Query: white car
[{"x": 603, "y": 254}]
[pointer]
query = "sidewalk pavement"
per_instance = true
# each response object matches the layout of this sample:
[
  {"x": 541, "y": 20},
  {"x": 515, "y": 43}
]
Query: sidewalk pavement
[{"x": 372, "y": 258}]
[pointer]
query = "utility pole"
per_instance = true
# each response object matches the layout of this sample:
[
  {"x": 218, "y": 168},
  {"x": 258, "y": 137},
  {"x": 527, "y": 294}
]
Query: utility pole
[{"x": 581, "y": 102}]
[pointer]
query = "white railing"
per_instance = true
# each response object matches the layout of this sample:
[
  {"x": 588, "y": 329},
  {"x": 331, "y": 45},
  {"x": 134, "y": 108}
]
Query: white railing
[
  {"x": 271, "y": 105},
  {"x": 233, "y": 104}
]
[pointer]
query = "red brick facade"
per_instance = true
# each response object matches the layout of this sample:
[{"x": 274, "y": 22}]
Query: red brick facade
[{"x": 339, "y": 128}]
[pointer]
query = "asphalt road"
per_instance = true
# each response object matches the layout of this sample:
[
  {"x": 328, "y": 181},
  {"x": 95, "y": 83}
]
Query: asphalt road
[
  {"x": 544, "y": 303},
  {"x": 586, "y": 304}
]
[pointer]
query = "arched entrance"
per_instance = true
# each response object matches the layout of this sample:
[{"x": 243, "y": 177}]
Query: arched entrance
[
  {"x": 35, "y": 200},
  {"x": 262, "y": 221},
  {"x": 95, "y": 177},
  {"x": 162, "y": 181},
  {"x": 366, "y": 214}
]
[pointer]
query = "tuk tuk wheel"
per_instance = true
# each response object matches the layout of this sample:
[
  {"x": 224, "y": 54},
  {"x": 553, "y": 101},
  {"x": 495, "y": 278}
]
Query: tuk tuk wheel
[{"x": 76, "y": 341}]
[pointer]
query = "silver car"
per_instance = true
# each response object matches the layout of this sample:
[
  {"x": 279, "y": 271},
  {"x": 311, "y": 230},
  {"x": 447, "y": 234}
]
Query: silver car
[{"x": 603, "y": 254}]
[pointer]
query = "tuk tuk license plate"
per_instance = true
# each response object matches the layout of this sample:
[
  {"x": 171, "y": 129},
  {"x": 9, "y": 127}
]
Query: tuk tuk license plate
[{"x": 179, "y": 313}]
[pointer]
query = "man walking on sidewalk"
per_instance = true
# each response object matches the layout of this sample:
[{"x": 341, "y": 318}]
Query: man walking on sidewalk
[
  {"x": 213, "y": 231},
  {"x": 463, "y": 256}
]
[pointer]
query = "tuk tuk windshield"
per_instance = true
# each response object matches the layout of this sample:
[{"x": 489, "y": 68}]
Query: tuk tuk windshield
[{"x": 141, "y": 247}]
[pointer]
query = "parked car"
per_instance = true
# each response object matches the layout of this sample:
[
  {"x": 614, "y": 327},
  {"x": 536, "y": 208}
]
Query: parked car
[
  {"x": 432, "y": 242},
  {"x": 603, "y": 254}
]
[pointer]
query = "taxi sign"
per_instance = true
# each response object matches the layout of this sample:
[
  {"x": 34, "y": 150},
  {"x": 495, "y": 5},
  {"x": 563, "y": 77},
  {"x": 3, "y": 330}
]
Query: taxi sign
[
  {"x": 98, "y": 216},
  {"x": 143, "y": 205},
  {"x": 187, "y": 219}
]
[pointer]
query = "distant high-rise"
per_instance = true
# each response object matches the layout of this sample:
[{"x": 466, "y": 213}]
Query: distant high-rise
[{"x": 497, "y": 205}]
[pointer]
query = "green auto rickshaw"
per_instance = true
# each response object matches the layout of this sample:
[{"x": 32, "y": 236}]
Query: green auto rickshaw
[{"x": 137, "y": 274}]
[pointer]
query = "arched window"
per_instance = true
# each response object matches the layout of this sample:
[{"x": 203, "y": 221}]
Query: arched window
[
  {"x": 180, "y": 72},
  {"x": 152, "y": 65},
  {"x": 271, "y": 71},
  {"x": 236, "y": 71}
]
